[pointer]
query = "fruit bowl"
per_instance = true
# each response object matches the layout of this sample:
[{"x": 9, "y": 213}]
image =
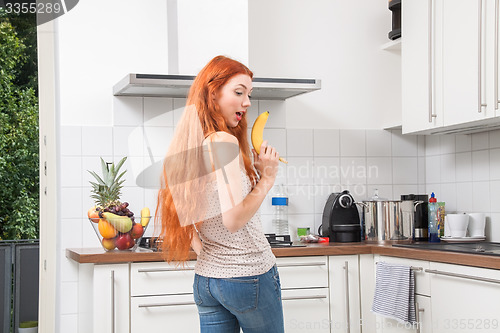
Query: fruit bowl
[{"x": 119, "y": 232}]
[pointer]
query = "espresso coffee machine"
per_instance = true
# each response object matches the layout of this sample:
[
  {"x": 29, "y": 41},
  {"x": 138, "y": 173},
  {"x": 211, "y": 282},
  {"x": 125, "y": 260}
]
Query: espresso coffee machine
[
  {"x": 420, "y": 218},
  {"x": 341, "y": 218}
]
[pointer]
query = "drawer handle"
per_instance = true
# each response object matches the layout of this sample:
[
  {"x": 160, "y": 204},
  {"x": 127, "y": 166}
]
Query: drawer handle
[
  {"x": 302, "y": 264},
  {"x": 153, "y": 270},
  {"x": 291, "y": 298},
  {"x": 347, "y": 306},
  {"x": 464, "y": 276},
  {"x": 157, "y": 305},
  {"x": 113, "y": 301}
]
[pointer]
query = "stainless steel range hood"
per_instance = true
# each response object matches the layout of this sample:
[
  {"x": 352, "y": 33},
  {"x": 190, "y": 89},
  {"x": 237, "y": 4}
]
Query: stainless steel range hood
[{"x": 158, "y": 85}]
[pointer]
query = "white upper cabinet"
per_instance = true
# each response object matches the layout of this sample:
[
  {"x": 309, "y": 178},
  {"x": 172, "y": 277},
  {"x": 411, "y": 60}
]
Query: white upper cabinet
[
  {"x": 418, "y": 67},
  {"x": 449, "y": 72}
]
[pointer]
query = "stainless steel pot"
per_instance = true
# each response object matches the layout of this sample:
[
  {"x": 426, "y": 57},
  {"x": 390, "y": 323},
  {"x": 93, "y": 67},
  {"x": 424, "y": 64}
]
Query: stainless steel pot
[{"x": 386, "y": 221}]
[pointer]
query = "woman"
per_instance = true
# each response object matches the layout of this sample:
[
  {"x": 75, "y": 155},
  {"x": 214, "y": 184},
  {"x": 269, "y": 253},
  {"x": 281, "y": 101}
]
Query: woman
[{"x": 209, "y": 201}]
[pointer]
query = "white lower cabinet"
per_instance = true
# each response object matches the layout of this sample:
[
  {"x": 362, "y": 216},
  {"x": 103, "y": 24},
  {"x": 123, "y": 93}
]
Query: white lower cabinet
[
  {"x": 162, "y": 298},
  {"x": 464, "y": 299},
  {"x": 306, "y": 310},
  {"x": 344, "y": 294},
  {"x": 111, "y": 310},
  {"x": 166, "y": 313},
  {"x": 422, "y": 298},
  {"x": 304, "y": 284}
]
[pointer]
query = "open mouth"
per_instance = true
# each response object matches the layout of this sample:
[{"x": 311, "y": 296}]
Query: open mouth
[{"x": 239, "y": 115}]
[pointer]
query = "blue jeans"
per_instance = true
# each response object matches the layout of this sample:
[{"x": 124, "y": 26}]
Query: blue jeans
[{"x": 252, "y": 303}]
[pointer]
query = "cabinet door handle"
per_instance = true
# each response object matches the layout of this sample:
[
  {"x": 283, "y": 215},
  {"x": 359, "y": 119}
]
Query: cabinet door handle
[
  {"x": 154, "y": 270},
  {"x": 429, "y": 57},
  {"x": 112, "y": 301},
  {"x": 496, "y": 56},
  {"x": 463, "y": 276},
  {"x": 291, "y": 298},
  {"x": 417, "y": 315},
  {"x": 347, "y": 311},
  {"x": 157, "y": 305},
  {"x": 302, "y": 264},
  {"x": 480, "y": 58}
]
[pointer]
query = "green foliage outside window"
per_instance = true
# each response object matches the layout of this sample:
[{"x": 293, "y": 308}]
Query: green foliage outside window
[{"x": 19, "y": 160}]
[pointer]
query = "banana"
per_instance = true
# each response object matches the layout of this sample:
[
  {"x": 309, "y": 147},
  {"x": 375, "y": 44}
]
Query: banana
[
  {"x": 258, "y": 132},
  {"x": 121, "y": 223},
  {"x": 145, "y": 216}
]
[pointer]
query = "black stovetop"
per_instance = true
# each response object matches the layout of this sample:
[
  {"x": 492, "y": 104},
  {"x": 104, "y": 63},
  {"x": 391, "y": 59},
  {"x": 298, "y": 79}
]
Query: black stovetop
[{"x": 485, "y": 248}]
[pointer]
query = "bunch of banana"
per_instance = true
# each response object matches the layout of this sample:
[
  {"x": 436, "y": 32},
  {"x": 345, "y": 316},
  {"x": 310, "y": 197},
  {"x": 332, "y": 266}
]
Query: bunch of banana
[{"x": 258, "y": 132}]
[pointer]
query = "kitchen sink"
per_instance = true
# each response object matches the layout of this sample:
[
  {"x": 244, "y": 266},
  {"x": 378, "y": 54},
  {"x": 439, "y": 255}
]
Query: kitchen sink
[{"x": 486, "y": 248}]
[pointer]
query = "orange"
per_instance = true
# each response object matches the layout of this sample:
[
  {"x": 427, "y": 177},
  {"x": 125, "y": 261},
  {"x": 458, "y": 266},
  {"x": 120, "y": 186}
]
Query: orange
[{"x": 106, "y": 229}]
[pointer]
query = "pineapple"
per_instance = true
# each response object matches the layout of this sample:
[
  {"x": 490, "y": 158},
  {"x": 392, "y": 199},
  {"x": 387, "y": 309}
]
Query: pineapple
[{"x": 107, "y": 190}]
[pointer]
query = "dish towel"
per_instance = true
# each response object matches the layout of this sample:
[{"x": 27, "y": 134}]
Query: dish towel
[{"x": 395, "y": 292}]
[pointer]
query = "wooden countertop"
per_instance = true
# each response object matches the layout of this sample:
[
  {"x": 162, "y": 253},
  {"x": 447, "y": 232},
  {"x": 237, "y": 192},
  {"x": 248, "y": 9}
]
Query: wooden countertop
[{"x": 99, "y": 256}]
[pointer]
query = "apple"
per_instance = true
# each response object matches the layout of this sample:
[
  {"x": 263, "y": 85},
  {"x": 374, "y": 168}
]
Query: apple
[
  {"x": 137, "y": 231},
  {"x": 124, "y": 241},
  {"x": 93, "y": 214},
  {"x": 108, "y": 243}
]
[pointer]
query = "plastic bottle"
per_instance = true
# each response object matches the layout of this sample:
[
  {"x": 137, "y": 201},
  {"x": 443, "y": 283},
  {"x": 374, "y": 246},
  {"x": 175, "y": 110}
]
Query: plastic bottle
[
  {"x": 433, "y": 220},
  {"x": 280, "y": 208}
]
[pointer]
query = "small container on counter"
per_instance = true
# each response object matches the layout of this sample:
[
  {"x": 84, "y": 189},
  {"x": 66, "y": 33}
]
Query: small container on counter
[{"x": 433, "y": 220}]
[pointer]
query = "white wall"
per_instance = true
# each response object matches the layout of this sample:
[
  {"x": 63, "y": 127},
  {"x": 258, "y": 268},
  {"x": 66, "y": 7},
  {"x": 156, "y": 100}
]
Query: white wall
[{"x": 335, "y": 41}]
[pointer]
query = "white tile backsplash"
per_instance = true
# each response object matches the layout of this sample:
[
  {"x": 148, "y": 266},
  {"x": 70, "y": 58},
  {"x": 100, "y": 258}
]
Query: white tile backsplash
[
  {"x": 494, "y": 196},
  {"x": 353, "y": 170},
  {"x": 495, "y": 164},
  {"x": 494, "y": 139},
  {"x": 379, "y": 170},
  {"x": 463, "y": 143},
  {"x": 72, "y": 143},
  {"x": 301, "y": 199},
  {"x": 463, "y": 167},
  {"x": 178, "y": 105},
  {"x": 277, "y": 113},
  {"x": 300, "y": 171},
  {"x": 378, "y": 143},
  {"x": 157, "y": 111},
  {"x": 128, "y": 141},
  {"x": 71, "y": 202},
  {"x": 405, "y": 170},
  {"x": 464, "y": 197},
  {"x": 326, "y": 170},
  {"x": 97, "y": 140},
  {"x": 299, "y": 142},
  {"x": 480, "y": 141},
  {"x": 432, "y": 145},
  {"x": 156, "y": 140},
  {"x": 447, "y": 168},
  {"x": 326, "y": 142},
  {"x": 71, "y": 171},
  {"x": 433, "y": 167},
  {"x": 276, "y": 138},
  {"x": 404, "y": 145},
  {"x": 448, "y": 144},
  {"x": 128, "y": 111},
  {"x": 252, "y": 113},
  {"x": 480, "y": 195},
  {"x": 353, "y": 143},
  {"x": 480, "y": 165}
]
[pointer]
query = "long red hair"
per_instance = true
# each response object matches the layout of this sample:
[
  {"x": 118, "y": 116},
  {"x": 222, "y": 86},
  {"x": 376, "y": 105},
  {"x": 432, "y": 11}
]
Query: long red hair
[{"x": 176, "y": 236}]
